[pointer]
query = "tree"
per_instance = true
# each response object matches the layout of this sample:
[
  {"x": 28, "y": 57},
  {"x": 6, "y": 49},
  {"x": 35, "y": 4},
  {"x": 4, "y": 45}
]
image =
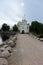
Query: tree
[
  {"x": 30, "y": 28},
  {"x": 15, "y": 28},
  {"x": 36, "y": 27},
  {"x": 5, "y": 27}
]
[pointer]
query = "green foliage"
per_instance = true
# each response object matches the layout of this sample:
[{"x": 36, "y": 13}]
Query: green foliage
[
  {"x": 15, "y": 28},
  {"x": 5, "y": 27},
  {"x": 0, "y": 30},
  {"x": 36, "y": 27}
]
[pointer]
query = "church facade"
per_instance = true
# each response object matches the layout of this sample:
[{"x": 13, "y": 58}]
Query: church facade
[{"x": 23, "y": 26}]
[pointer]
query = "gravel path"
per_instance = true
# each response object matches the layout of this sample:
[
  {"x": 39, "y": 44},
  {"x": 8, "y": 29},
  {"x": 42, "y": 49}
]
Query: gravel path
[{"x": 28, "y": 51}]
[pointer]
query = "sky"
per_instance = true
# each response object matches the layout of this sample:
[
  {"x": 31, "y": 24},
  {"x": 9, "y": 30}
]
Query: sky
[{"x": 11, "y": 11}]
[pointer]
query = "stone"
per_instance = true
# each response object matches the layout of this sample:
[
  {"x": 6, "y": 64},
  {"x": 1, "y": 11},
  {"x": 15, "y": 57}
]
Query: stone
[
  {"x": 13, "y": 45},
  {"x": 37, "y": 38},
  {"x": 4, "y": 53},
  {"x": 3, "y": 61},
  {"x": 14, "y": 38},
  {"x": 10, "y": 42},
  {"x": 2, "y": 50},
  {"x": 5, "y": 46},
  {"x": 9, "y": 49},
  {"x": 41, "y": 39}
]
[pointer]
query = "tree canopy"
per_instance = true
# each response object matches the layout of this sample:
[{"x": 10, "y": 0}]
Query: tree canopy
[
  {"x": 36, "y": 27},
  {"x": 5, "y": 27},
  {"x": 15, "y": 28}
]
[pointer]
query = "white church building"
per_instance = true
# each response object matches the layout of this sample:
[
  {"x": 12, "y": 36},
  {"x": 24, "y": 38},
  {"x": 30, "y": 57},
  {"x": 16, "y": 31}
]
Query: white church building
[{"x": 23, "y": 26}]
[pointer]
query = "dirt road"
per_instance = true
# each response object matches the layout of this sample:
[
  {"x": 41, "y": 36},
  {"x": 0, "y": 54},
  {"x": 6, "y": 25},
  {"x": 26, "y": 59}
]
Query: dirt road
[{"x": 28, "y": 51}]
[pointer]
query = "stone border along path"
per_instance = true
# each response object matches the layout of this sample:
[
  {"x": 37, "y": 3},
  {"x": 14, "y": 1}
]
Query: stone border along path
[
  {"x": 5, "y": 50},
  {"x": 40, "y": 39}
]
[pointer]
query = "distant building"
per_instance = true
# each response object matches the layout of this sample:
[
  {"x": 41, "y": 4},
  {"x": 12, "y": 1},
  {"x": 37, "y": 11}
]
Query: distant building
[{"x": 23, "y": 26}]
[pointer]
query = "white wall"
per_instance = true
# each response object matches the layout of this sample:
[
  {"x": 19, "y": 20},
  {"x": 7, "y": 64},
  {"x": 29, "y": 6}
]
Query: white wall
[{"x": 23, "y": 26}]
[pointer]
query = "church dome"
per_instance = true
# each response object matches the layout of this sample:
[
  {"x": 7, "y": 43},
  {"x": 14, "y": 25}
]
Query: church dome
[{"x": 24, "y": 20}]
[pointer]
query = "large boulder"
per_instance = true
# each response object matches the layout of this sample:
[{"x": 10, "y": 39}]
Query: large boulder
[
  {"x": 3, "y": 61},
  {"x": 11, "y": 43},
  {"x": 4, "y": 53},
  {"x": 9, "y": 49},
  {"x": 2, "y": 50},
  {"x": 14, "y": 38}
]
